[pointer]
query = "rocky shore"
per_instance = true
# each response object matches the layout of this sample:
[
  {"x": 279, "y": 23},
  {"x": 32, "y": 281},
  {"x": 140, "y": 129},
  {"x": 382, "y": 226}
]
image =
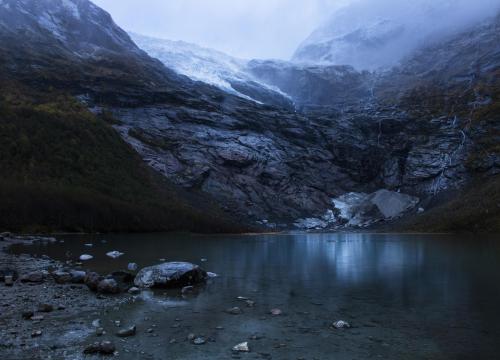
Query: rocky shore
[{"x": 44, "y": 314}]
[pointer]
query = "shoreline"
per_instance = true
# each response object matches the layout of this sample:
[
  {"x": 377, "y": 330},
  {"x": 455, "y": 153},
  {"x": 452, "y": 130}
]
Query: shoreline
[{"x": 62, "y": 313}]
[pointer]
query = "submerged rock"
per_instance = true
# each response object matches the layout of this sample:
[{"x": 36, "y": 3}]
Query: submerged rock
[{"x": 170, "y": 275}]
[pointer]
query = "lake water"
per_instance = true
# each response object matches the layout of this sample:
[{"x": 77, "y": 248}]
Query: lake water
[{"x": 406, "y": 296}]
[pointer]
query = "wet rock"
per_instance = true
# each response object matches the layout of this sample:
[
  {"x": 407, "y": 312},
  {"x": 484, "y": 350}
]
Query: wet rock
[
  {"x": 243, "y": 347},
  {"x": 62, "y": 277},
  {"x": 108, "y": 286},
  {"x": 86, "y": 257},
  {"x": 134, "y": 290},
  {"x": 27, "y": 315},
  {"x": 170, "y": 275},
  {"x": 234, "y": 311},
  {"x": 33, "y": 277},
  {"x": 36, "y": 333},
  {"x": 276, "y": 312},
  {"x": 45, "y": 308},
  {"x": 92, "y": 280},
  {"x": 191, "y": 337},
  {"x": 130, "y": 331},
  {"x": 89, "y": 245},
  {"x": 114, "y": 254},
  {"x": 102, "y": 348},
  {"x": 199, "y": 341},
  {"x": 341, "y": 324},
  {"x": 250, "y": 303},
  {"x": 77, "y": 276},
  {"x": 132, "y": 267}
]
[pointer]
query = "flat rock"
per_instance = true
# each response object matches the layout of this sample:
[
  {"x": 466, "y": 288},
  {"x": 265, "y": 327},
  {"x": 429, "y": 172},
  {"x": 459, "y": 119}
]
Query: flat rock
[{"x": 170, "y": 275}]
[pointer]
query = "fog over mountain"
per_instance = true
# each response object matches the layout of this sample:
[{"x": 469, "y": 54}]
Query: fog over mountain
[{"x": 370, "y": 34}]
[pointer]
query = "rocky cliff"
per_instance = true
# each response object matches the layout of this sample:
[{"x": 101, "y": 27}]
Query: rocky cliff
[{"x": 424, "y": 128}]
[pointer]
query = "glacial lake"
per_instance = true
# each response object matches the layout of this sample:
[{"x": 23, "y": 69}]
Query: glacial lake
[{"x": 406, "y": 296}]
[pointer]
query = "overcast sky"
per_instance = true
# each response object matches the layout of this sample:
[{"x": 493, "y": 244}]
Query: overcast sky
[{"x": 242, "y": 28}]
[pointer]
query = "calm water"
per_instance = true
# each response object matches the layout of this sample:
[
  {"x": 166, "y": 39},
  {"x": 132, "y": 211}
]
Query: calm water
[{"x": 406, "y": 296}]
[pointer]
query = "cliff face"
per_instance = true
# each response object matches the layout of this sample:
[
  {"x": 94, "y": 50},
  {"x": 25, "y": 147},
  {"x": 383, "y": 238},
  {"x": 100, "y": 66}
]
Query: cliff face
[{"x": 425, "y": 127}]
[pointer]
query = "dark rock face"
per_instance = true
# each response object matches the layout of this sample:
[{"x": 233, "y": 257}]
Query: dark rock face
[{"x": 170, "y": 275}]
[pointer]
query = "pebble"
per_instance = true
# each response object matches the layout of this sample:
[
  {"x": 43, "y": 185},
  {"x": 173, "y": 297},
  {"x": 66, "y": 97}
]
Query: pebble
[
  {"x": 114, "y": 254},
  {"x": 341, "y": 324},
  {"x": 199, "y": 341},
  {"x": 234, "y": 311},
  {"x": 130, "y": 331},
  {"x": 86, "y": 257},
  {"x": 276, "y": 312},
  {"x": 243, "y": 347},
  {"x": 132, "y": 267},
  {"x": 36, "y": 333}
]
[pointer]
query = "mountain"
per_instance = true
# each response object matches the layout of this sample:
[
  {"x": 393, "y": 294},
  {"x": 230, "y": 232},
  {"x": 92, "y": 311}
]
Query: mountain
[
  {"x": 371, "y": 35},
  {"x": 416, "y": 135},
  {"x": 212, "y": 67}
]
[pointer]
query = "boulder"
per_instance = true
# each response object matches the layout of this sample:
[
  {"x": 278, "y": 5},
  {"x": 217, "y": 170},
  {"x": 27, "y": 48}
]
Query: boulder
[
  {"x": 170, "y": 275},
  {"x": 108, "y": 286}
]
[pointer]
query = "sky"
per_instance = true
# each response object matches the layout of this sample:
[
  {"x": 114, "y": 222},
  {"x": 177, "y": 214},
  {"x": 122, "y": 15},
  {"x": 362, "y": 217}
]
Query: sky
[{"x": 242, "y": 28}]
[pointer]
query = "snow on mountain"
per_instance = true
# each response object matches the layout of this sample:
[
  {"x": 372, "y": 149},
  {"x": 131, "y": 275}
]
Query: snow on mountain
[
  {"x": 210, "y": 66},
  {"x": 371, "y": 35}
]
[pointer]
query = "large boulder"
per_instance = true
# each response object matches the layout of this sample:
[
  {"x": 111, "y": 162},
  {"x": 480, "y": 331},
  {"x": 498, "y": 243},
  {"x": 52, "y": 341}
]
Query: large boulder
[{"x": 170, "y": 275}]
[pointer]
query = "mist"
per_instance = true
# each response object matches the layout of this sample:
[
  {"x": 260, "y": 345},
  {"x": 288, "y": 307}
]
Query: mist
[
  {"x": 275, "y": 28},
  {"x": 245, "y": 29}
]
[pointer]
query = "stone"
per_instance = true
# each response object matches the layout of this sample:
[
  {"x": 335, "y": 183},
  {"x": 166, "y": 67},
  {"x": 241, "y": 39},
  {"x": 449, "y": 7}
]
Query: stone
[
  {"x": 86, "y": 257},
  {"x": 5, "y": 235},
  {"x": 114, "y": 254},
  {"x": 33, "y": 277},
  {"x": 130, "y": 331},
  {"x": 243, "y": 347},
  {"x": 341, "y": 324},
  {"x": 45, "y": 308},
  {"x": 276, "y": 312},
  {"x": 8, "y": 272},
  {"x": 9, "y": 280},
  {"x": 234, "y": 311},
  {"x": 99, "y": 331},
  {"x": 62, "y": 277},
  {"x": 170, "y": 275},
  {"x": 77, "y": 276},
  {"x": 187, "y": 290},
  {"x": 199, "y": 341},
  {"x": 191, "y": 337},
  {"x": 27, "y": 315},
  {"x": 134, "y": 290},
  {"x": 37, "y": 318},
  {"x": 132, "y": 267},
  {"x": 250, "y": 303},
  {"x": 102, "y": 348},
  {"x": 36, "y": 333},
  {"x": 89, "y": 245},
  {"x": 92, "y": 280},
  {"x": 108, "y": 286}
]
